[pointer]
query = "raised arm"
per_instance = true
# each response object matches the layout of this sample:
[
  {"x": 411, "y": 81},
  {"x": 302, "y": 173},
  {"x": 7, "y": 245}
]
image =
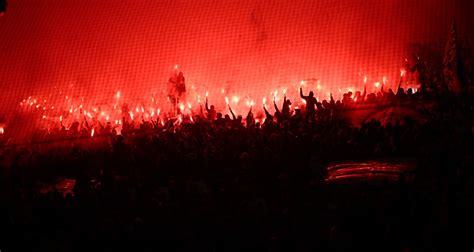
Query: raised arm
[
  {"x": 331, "y": 99},
  {"x": 232, "y": 113},
  {"x": 276, "y": 107},
  {"x": 301, "y": 93},
  {"x": 207, "y": 106},
  {"x": 266, "y": 112}
]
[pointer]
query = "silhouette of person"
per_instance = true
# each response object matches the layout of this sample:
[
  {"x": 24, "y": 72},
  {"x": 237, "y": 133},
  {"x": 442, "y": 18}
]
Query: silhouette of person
[{"x": 310, "y": 104}]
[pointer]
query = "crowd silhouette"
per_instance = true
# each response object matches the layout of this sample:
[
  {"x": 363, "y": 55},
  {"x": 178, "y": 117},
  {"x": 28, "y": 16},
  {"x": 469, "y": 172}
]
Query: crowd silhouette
[{"x": 219, "y": 182}]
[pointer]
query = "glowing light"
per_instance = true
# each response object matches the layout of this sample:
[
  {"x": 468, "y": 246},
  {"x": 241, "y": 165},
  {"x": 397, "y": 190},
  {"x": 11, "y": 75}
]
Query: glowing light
[
  {"x": 384, "y": 80},
  {"x": 70, "y": 111},
  {"x": 189, "y": 105},
  {"x": 107, "y": 118},
  {"x": 158, "y": 112},
  {"x": 199, "y": 99},
  {"x": 284, "y": 91},
  {"x": 131, "y": 115},
  {"x": 181, "y": 107},
  {"x": 227, "y": 100},
  {"x": 235, "y": 99},
  {"x": 60, "y": 118},
  {"x": 118, "y": 94},
  {"x": 44, "y": 117},
  {"x": 402, "y": 72},
  {"x": 264, "y": 101},
  {"x": 365, "y": 79},
  {"x": 303, "y": 101},
  {"x": 222, "y": 90},
  {"x": 377, "y": 84},
  {"x": 302, "y": 83},
  {"x": 2, "y": 130},
  {"x": 175, "y": 67},
  {"x": 92, "y": 132},
  {"x": 207, "y": 94},
  {"x": 296, "y": 107}
]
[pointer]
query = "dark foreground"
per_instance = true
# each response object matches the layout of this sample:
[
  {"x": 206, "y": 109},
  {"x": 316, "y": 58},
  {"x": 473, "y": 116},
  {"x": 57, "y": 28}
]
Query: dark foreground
[{"x": 228, "y": 187}]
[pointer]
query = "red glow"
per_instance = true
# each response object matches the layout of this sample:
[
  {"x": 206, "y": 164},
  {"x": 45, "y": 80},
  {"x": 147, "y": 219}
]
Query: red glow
[{"x": 77, "y": 56}]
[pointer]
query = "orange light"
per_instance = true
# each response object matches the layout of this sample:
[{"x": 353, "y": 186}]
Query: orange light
[
  {"x": 235, "y": 99},
  {"x": 377, "y": 84},
  {"x": 92, "y": 132}
]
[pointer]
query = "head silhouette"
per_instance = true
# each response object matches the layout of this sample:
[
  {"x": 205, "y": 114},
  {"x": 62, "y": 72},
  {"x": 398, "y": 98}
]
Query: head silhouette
[{"x": 311, "y": 94}]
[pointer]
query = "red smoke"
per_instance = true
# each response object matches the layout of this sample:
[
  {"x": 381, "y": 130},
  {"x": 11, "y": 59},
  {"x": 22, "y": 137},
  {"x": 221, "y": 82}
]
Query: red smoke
[{"x": 92, "y": 49}]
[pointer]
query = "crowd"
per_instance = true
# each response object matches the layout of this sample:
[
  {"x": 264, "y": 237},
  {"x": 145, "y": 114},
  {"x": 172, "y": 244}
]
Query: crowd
[
  {"x": 217, "y": 182},
  {"x": 310, "y": 109}
]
